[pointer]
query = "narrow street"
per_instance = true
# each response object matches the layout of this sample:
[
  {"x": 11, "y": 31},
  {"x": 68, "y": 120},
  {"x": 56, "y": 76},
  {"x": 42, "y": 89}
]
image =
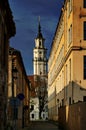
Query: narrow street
[{"x": 43, "y": 125}]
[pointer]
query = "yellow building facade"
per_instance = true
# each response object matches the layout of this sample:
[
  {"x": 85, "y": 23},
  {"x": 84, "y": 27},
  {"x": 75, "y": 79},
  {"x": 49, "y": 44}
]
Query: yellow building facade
[{"x": 67, "y": 60}]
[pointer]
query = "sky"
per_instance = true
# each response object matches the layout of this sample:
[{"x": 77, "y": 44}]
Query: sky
[{"x": 25, "y": 15}]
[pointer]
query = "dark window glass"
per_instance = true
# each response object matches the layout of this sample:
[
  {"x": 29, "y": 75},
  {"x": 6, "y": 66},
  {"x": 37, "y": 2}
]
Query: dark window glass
[
  {"x": 69, "y": 100},
  {"x": 62, "y": 102},
  {"x": 84, "y": 98},
  {"x": 84, "y": 5},
  {"x": 84, "y": 30},
  {"x": 84, "y": 67},
  {"x": 32, "y": 107},
  {"x": 32, "y": 115}
]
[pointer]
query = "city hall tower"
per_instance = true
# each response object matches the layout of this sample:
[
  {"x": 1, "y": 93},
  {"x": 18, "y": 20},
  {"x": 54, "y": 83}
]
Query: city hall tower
[{"x": 39, "y": 54}]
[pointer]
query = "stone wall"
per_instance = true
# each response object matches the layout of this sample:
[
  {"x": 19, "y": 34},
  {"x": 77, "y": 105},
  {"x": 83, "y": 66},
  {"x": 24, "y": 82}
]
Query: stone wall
[{"x": 73, "y": 117}]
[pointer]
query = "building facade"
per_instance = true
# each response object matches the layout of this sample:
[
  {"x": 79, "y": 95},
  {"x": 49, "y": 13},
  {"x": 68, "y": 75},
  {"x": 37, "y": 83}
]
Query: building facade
[
  {"x": 18, "y": 90},
  {"x": 7, "y": 30},
  {"x": 34, "y": 108},
  {"x": 34, "y": 101},
  {"x": 38, "y": 97},
  {"x": 67, "y": 60}
]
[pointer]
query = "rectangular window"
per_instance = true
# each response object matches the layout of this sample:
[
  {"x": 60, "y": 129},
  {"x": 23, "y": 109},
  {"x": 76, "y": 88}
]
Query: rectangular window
[
  {"x": 66, "y": 74},
  {"x": 84, "y": 3},
  {"x": 32, "y": 107},
  {"x": 32, "y": 115},
  {"x": 69, "y": 100},
  {"x": 84, "y": 98},
  {"x": 70, "y": 70},
  {"x": 85, "y": 30},
  {"x": 62, "y": 102},
  {"x": 70, "y": 35},
  {"x": 84, "y": 67},
  {"x": 69, "y": 7}
]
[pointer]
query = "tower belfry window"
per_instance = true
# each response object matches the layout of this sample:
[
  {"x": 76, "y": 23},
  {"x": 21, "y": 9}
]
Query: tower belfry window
[{"x": 40, "y": 43}]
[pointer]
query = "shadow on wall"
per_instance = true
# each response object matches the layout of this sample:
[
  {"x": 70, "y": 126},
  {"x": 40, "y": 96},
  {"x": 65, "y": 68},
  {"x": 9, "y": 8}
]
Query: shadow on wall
[{"x": 73, "y": 115}]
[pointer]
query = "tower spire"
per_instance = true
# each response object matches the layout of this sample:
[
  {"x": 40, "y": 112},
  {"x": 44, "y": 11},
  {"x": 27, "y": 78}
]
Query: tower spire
[
  {"x": 39, "y": 53},
  {"x": 39, "y": 19},
  {"x": 39, "y": 29},
  {"x": 39, "y": 26}
]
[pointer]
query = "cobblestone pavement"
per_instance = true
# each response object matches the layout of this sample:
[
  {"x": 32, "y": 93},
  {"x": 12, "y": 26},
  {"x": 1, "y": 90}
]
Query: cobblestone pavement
[{"x": 43, "y": 125}]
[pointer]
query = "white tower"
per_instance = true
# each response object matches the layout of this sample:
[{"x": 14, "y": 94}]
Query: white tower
[{"x": 39, "y": 54}]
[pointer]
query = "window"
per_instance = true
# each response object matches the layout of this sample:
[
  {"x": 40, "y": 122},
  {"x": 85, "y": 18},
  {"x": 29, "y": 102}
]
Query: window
[
  {"x": 70, "y": 34},
  {"x": 39, "y": 43},
  {"x": 70, "y": 70},
  {"x": 62, "y": 102},
  {"x": 84, "y": 3},
  {"x": 40, "y": 52},
  {"x": 84, "y": 98},
  {"x": 84, "y": 67},
  {"x": 69, "y": 100},
  {"x": 32, "y": 107},
  {"x": 32, "y": 115},
  {"x": 69, "y": 7},
  {"x": 66, "y": 74},
  {"x": 85, "y": 30}
]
